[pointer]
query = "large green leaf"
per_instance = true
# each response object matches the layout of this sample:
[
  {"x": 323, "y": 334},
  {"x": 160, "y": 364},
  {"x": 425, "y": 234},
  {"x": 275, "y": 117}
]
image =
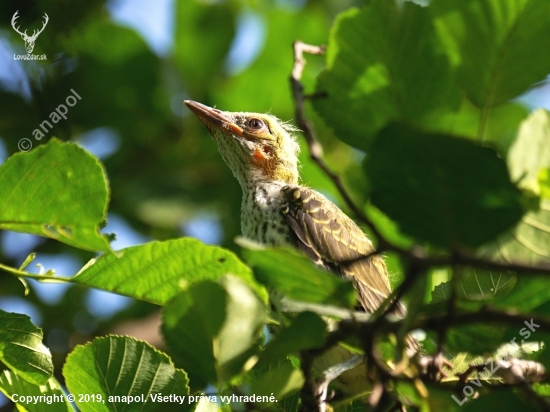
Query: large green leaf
[
  {"x": 485, "y": 40},
  {"x": 157, "y": 271},
  {"x": 441, "y": 189},
  {"x": 57, "y": 190},
  {"x": 21, "y": 348},
  {"x": 383, "y": 65},
  {"x": 295, "y": 276},
  {"x": 117, "y": 368},
  {"x": 213, "y": 329},
  {"x": 47, "y": 397}
]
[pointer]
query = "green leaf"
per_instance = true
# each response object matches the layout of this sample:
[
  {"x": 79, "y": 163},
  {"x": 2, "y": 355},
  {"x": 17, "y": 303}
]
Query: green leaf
[
  {"x": 528, "y": 242},
  {"x": 476, "y": 339},
  {"x": 383, "y": 65},
  {"x": 542, "y": 389},
  {"x": 213, "y": 329},
  {"x": 307, "y": 331},
  {"x": 530, "y": 152},
  {"x": 52, "y": 395},
  {"x": 157, "y": 271},
  {"x": 485, "y": 40},
  {"x": 21, "y": 348},
  {"x": 497, "y": 126},
  {"x": 298, "y": 278},
  {"x": 57, "y": 190},
  {"x": 476, "y": 284},
  {"x": 504, "y": 399},
  {"x": 544, "y": 183},
  {"x": 441, "y": 189},
  {"x": 278, "y": 382},
  {"x": 116, "y": 366},
  {"x": 529, "y": 293}
]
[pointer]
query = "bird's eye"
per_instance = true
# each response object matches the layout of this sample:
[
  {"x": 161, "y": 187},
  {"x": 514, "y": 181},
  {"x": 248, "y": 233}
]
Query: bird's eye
[{"x": 255, "y": 124}]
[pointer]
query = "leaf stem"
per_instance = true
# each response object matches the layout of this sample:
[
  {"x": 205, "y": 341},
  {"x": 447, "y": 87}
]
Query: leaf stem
[{"x": 21, "y": 273}]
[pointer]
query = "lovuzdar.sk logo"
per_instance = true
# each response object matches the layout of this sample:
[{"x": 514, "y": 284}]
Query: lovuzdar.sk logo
[{"x": 29, "y": 40}]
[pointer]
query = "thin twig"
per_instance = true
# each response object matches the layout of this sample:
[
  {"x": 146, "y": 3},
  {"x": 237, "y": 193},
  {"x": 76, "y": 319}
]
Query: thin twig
[{"x": 315, "y": 148}]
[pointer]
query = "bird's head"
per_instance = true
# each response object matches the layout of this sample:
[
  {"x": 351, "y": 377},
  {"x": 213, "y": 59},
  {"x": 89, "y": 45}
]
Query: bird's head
[{"x": 256, "y": 147}]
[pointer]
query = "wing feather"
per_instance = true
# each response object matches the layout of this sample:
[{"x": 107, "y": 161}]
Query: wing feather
[{"x": 332, "y": 240}]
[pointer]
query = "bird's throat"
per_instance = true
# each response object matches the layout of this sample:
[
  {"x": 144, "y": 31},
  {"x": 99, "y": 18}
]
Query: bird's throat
[{"x": 261, "y": 217}]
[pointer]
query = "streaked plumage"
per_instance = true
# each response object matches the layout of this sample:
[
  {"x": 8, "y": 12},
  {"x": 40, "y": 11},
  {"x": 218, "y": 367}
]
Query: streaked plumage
[{"x": 262, "y": 153}]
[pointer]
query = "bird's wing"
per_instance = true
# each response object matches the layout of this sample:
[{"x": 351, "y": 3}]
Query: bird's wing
[{"x": 332, "y": 240}]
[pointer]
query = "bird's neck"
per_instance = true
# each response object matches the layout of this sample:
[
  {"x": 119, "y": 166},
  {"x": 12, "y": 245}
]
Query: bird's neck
[{"x": 261, "y": 218}]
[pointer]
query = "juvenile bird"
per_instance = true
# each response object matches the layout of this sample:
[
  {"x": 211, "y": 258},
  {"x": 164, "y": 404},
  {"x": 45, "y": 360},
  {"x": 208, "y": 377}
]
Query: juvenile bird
[{"x": 276, "y": 210}]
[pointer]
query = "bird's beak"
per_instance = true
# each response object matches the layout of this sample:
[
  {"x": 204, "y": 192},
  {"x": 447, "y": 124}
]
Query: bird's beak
[{"x": 213, "y": 117}]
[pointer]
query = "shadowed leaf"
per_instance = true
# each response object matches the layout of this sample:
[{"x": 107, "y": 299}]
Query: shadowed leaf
[
  {"x": 413, "y": 176},
  {"x": 213, "y": 329}
]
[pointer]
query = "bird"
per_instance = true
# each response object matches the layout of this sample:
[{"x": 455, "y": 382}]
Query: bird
[
  {"x": 276, "y": 210},
  {"x": 262, "y": 152}
]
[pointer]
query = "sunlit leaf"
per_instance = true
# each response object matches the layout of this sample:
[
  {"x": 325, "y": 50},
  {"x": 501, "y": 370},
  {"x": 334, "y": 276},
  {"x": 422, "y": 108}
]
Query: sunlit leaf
[
  {"x": 53, "y": 397},
  {"x": 116, "y": 368},
  {"x": 21, "y": 348},
  {"x": 544, "y": 183},
  {"x": 157, "y": 271},
  {"x": 58, "y": 190},
  {"x": 485, "y": 40},
  {"x": 530, "y": 152},
  {"x": 383, "y": 65}
]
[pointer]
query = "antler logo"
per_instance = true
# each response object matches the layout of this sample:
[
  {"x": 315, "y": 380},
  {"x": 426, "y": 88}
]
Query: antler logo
[{"x": 29, "y": 40}]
